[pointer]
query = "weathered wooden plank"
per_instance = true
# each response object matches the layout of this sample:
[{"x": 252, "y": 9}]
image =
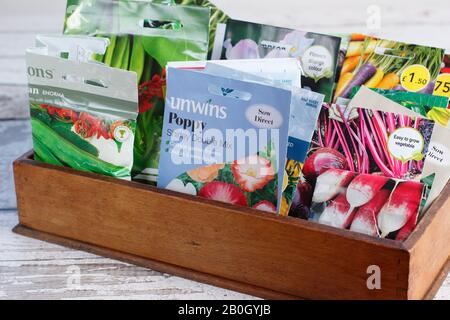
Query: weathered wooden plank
[
  {"x": 13, "y": 102},
  {"x": 12, "y": 71},
  {"x": 16, "y": 139},
  {"x": 31, "y": 269}
]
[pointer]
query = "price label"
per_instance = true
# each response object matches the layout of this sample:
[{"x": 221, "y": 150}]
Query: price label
[
  {"x": 442, "y": 87},
  {"x": 415, "y": 78}
]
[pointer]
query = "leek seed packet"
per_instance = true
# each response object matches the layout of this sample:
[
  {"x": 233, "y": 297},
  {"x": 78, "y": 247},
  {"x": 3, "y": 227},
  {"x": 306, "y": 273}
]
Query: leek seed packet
[
  {"x": 317, "y": 53},
  {"x": 224, "y": 139},
  {"x": 144, "y": 36},
  {"x": 83, "y": 114}
]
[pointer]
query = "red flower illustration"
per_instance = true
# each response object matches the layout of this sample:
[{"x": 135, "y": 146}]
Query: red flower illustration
[
  {"x": 150, "y": 89},
  {"x": 224, "y": 192}
]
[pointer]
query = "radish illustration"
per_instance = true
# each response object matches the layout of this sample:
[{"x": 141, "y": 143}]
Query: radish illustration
[
  {"x": 363, "y": 188},
  {"x": 331, "y": 183},
  {"x": 401, "y": 206},
  {"x": 407, "y": 228},
  {"x": 338, "y": 213},
  {"x": 365, "y": 220}
]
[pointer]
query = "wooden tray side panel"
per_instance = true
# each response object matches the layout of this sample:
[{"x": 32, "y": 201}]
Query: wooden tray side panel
[
  {"x": 429, "y": 246},
  {"x": 289, "y": 256}
]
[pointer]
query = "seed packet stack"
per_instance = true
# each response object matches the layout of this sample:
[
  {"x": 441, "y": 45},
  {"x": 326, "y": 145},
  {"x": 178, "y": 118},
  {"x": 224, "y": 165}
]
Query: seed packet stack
[{"x": 242, "y": 149}]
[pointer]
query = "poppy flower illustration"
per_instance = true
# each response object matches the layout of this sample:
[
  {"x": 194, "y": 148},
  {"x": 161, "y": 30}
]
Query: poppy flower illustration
[
  {"x": 205, "y": 174},
  {"x": 252, "y": 173},
  {"x": 265, "y": 206},
  {"x": 223, "y": 192}
]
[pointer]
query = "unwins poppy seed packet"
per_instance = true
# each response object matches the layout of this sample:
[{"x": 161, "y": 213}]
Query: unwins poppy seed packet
[
  {"x": 304, "y": 111},
  {"x": 224, "y": 139}
]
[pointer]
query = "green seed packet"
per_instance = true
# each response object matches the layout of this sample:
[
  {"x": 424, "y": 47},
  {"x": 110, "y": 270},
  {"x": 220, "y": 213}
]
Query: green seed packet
[
  {"x": 83, "y": 114},
  {"x": 144, "y": 37}
]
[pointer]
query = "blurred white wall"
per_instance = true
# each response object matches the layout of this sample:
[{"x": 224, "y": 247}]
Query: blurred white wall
[{"x": 416, "y": 21}]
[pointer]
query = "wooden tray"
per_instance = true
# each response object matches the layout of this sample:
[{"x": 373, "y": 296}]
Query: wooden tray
[{"x": 235, "y": 248}]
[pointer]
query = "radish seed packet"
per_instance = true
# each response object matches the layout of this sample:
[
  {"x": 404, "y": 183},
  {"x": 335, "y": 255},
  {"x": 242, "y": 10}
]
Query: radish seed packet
[{"x": 436, "y": 166}]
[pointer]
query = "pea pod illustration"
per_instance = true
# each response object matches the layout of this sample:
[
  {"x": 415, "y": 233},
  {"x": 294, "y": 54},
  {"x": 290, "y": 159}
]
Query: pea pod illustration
[
  {"x": 43, "y": 154},
  {"x": 71, "y": 154}
]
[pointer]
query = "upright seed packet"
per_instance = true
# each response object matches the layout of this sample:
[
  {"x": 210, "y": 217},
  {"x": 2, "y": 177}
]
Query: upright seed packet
[
  {"x": 367, "y": 203},
  {"x": 389, "y": 65},
  {"x": 83, "y": 114},
  {"x": 364, "y": 141},
  {"x": 317, "y": 53},
  {"x": 443, "y": 80},
  {"x": 144, "y": 36},
  {"x": 427, "y": 105},
  {"x": 436, "y": 167},
  {"x": 304, "y": 110},
  {"x": 224, "y": 139}
]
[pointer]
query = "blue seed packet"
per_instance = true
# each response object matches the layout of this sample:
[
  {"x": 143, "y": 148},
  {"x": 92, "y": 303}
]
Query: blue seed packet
[{"x": 225, "y": 139}]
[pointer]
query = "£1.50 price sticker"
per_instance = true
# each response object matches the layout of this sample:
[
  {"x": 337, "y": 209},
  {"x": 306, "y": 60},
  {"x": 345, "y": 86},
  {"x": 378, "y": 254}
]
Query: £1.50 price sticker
[
  {"x": 415, "y": 78},
  {"x": 442, "y": 87}
]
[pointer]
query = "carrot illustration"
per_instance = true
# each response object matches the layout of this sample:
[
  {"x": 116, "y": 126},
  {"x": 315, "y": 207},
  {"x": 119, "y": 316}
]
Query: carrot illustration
[
  {"x": 376, "y": 79},
  {"x": 351, "y": 63},
  {"x": 389, "y": 81},
  {"x": 343, "y": 83},
  {"x": 356, "y": 48},
  {"x": 358, "y": 37}
]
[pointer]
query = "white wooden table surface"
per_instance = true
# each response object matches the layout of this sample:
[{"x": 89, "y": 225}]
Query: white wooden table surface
[{"x": 31, "y": 269}]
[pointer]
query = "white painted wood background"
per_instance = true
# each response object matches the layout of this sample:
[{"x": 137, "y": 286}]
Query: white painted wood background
[{"x": 31, "y": 269}]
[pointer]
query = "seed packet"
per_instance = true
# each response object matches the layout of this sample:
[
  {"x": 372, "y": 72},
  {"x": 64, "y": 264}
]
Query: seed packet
[
  {"x": 317, "y": 53},
  {"x": 389, "y": 65},
  {"x": 144, "y": 37},
  {"x": 224, "y": 139},
  {"x": 436, "y": 167},
  {"x": 427, "y": 105},
  {"x": 442, "y": 87},
  {"x": 364, "y": 141},
  {"x": 83, "y": 114},
  {"x": 304, "y": 111},
  {"x": 367, "y": 203}
]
